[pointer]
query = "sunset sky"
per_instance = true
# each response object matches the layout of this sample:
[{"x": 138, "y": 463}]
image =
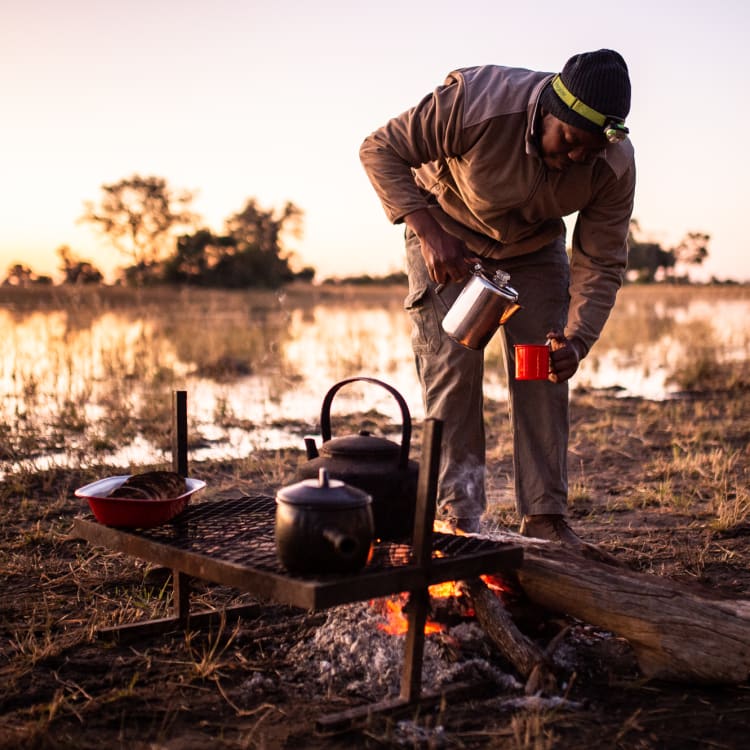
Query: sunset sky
[{"x": 240, "y": 98}]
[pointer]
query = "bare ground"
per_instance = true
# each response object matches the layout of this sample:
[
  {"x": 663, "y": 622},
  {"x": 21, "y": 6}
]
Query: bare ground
[{"x": 663, "y": 486}]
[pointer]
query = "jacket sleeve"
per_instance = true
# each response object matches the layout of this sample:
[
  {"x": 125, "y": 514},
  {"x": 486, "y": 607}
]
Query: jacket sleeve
[
  {"x": 599, "y": 257},
  {"x": 428, "y": 132}
]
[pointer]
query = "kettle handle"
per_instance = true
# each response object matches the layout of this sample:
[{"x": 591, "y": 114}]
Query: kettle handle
[{"x": 325, "y": 415}]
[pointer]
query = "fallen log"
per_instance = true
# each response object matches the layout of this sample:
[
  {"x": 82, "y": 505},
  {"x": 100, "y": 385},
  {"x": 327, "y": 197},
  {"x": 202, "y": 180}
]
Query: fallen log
[{"x": 678, "y": 633}]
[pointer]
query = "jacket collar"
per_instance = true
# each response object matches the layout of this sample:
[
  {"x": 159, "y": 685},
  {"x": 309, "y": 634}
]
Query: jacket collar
[{"x": 532, "y": 117}]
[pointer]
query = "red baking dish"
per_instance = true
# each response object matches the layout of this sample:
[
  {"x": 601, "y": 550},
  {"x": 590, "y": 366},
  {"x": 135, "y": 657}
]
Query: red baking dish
[{"x": 129, "y": 512}]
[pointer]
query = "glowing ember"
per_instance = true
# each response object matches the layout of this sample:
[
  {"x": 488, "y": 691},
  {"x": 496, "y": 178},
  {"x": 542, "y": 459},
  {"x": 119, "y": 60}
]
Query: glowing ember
[
  {"x": 445, "y": 590},
  {"x": 498, "y": 585}
]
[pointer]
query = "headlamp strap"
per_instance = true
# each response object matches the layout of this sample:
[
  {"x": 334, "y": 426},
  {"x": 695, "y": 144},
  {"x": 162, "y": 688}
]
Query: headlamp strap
[{"x": 576, "y": 104}]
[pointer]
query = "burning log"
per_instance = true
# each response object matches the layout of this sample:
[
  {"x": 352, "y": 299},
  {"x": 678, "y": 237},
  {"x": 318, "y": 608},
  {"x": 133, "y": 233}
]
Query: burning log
[
  {"x": 677, "y": 632},
  {"x": 519, "y": 650}
]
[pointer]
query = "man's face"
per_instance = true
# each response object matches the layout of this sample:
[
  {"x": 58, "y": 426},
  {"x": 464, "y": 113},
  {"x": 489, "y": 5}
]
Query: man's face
[{"x": 562, "y": 145}]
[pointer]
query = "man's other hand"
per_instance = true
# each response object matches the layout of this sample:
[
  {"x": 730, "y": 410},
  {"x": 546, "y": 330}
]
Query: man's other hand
[{"x": 565, "y": 356}]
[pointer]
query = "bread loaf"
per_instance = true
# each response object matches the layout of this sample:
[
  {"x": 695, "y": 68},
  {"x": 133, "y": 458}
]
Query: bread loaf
[{"x": 151, "y": 485}]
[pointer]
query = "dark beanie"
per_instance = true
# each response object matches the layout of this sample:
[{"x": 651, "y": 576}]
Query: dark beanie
[{"x": 600, "y": 80}]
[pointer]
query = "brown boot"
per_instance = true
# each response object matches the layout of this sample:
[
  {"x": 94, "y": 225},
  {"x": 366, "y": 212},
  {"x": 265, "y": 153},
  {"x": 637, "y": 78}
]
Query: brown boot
[
  {"x": 555, "y": 528},
  {"x": 551, "y": 526}
]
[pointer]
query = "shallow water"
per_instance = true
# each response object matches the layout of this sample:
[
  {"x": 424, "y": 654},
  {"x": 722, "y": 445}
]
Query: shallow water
[{"x": 256, "y": 374}]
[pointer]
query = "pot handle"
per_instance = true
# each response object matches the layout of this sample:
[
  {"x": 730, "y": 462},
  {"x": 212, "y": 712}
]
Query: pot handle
[{"x": 325, "y": 415}]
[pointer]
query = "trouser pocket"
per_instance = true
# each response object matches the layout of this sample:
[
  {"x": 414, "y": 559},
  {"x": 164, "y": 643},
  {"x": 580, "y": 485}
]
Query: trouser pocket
[{"x": 426, "y": 332}]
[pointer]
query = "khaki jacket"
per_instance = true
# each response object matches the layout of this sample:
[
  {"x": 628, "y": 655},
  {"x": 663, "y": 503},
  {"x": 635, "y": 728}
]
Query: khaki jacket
[{"x": 468, "y": 151}]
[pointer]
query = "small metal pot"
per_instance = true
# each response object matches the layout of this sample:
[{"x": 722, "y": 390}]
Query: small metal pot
[
  {"x": 484, "y": 304},
  {"x": 323, "y": 526}
]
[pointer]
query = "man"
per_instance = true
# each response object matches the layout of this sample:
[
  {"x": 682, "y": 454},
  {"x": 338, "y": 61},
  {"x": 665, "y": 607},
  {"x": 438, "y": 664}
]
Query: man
[{"x": 486, "y": 166}]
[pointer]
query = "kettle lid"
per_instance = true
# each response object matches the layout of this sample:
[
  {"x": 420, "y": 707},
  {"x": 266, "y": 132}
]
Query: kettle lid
[
  {"x": 496, "y": 282},
  {"x": 324, "y": 493},
  {"x": 363, "y": 446}
]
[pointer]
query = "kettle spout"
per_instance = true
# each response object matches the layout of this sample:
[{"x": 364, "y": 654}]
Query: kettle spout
[
  {"x": 310, "y": 447},
  {"x": 509, "y": 312},
  {"x": 347, "y": 547}
]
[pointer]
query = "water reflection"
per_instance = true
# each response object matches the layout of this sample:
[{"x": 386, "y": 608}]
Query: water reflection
[
  {"x": 649, "y": 338},
  {"x": 82, "y": 383}
]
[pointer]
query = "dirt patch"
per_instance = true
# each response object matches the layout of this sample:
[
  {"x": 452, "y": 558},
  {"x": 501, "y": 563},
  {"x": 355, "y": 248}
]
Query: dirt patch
[{"x": 663, "y": 486}]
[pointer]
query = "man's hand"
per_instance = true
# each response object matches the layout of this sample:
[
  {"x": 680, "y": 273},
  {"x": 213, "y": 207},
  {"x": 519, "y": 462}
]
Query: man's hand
[
  {"x": 445, "y": 256},
  {"x": 564, "y": 357}
]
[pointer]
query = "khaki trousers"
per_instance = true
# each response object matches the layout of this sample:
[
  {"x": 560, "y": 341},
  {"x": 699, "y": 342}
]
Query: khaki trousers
[{"x": 452, "y": 385}]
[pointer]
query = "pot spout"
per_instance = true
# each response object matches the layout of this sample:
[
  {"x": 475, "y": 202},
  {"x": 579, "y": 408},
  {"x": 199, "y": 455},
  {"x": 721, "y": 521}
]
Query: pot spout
[
  {"x": 509, "y": 312},
  {"x": 347, "y": 547},
  {"x": 310, "y": 448}
]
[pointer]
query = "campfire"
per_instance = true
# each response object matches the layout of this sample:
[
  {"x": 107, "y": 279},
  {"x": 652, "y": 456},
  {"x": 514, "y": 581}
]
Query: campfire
[
  {"x": 356, "y": 653},
  {"x": 359, "y": 649},
  {"x": 449, "y": 600},
  {"x": 393, "y": 609}
]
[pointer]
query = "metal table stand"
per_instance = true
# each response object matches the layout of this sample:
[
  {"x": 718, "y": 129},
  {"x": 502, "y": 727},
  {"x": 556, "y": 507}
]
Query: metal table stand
[{"x": 231, "y": 542}]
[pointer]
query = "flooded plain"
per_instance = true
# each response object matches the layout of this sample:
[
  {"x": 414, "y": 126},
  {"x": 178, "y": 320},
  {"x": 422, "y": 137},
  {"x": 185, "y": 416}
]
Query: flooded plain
[{"x": 84, "y": 373}]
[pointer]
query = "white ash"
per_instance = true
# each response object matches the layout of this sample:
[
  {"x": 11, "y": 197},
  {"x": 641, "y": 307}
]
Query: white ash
[
  {"x": 258, "y": 685},
  {"x": 349, "y": 654},
  {"x": 410, "y": 734}
]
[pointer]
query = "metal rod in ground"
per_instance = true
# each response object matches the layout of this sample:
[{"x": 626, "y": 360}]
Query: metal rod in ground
[
  {"x": 359, "y": 716},
  {"x": 179, "y": 433},
  {"x": 181, "y": 596},
  {"x": 411, "y": 677},
  {"x": 424, "y": 518}
]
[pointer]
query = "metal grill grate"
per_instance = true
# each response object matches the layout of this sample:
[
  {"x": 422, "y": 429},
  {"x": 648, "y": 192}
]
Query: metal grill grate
[{"x": 241, "y": 531}]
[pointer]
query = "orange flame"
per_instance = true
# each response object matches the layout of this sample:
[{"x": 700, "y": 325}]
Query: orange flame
[
  {"x": 445, "y": 528},
  {"x": 397, "y": 622}
]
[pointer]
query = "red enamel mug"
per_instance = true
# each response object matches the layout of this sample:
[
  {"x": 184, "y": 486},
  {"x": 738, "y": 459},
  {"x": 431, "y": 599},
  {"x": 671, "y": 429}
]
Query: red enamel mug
[{"x": 532, "y": 361}]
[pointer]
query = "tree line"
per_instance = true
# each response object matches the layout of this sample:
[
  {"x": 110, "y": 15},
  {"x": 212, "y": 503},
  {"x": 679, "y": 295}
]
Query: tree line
[{"x": 154, "y": 227}]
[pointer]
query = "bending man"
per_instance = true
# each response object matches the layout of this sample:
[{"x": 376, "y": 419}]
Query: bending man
[{"x": 486, "y": 166}]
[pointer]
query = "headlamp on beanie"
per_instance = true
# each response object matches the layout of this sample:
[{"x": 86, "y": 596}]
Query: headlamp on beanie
[{"x": 613, "y": 127}]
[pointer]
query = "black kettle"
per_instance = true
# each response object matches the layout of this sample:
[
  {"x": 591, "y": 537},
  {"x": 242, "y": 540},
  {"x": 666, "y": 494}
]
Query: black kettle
[{"x": 376, "y": 465}]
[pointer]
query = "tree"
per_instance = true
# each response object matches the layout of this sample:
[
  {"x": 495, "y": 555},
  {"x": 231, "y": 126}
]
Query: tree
[
  {"x": 649, "y": 260},
  {"x": 693, "y": 248},
  {"x": 196, "y": 258},
  {"x": 262, "y": 229},
  {"x": 75, "y": 270},
  {"x": 261, "y": 258},
  {"x": 21, "y": 276},
  {"x": 251, "y": 253},
  {"x": 139, "y": 215}
]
